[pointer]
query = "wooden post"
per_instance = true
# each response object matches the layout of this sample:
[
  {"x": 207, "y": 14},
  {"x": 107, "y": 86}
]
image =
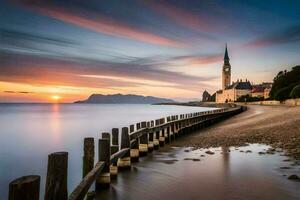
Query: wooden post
[
  {"x": 143, "y": 146},
  {"x": 114, "y": 149},
  {"x": 57, "y": 174},
  {"x": 162, "y": 133},
  {"x": 176, "y": 129},
  {"x": 134, "y": 149},
  {"x": 138, "y": 126},
  {"x": 88, "y": 156},
  {"x": 25, "y": 188},
  {"x": 172, "y": 130},
  {"x": 167, "y": 132},
  {"x": 113, "y": 168},
  {"x": 103, "y": 180},
  {"x": 150, "y": 138},
  {"x": 106, "y": 135},
  {"x": 152, "y": 123},
  {"x": 172, "y": 134},
  {"x": 150, "y": 142},
  {"x": 115, "y": 140},
  {"x": 125, "y": 163},
  {"x": 156, "y": 136}
]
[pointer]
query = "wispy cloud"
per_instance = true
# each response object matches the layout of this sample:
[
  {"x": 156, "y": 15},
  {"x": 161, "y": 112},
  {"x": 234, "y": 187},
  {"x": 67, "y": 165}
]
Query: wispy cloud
[
  {"x": 181, "y": 16},
  {"x": 199, "y": 59},
  {"x": 186, "y": 17},
  {"x": 41, "y": 70},
  {"x": 20, "y": 92},
  {"x": 98, "y": 22},
  {"x": 291, "y": 34}
]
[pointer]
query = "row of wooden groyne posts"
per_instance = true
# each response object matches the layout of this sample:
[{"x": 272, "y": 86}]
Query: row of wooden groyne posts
[{"x": 136, "y": 140}]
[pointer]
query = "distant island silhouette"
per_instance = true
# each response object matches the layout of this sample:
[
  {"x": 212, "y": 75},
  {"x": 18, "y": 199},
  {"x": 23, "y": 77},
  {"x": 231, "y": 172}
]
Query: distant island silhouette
[{"x": 124, "y": 99}]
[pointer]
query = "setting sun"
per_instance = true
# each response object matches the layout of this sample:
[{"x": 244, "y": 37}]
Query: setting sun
[{"x": 55, "y": 97}]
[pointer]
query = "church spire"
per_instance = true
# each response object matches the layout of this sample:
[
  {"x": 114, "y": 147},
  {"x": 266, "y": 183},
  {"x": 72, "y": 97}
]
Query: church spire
[{"x": 226, "y": 57}]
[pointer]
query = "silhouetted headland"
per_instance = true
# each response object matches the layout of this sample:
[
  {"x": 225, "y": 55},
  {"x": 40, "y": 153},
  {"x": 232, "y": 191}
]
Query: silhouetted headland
[{"x": 125, "y": 99}]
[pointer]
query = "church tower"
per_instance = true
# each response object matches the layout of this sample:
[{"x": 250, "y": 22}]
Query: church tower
[{"x": 226, "y": 71}]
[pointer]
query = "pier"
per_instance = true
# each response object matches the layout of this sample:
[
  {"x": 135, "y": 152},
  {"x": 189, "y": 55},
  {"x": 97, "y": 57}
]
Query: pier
[{"x": 136, "y": 140}]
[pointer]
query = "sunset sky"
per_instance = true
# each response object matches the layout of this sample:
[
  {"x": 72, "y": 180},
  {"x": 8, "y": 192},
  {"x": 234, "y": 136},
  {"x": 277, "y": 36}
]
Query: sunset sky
[{"x": 55, "y": 50}]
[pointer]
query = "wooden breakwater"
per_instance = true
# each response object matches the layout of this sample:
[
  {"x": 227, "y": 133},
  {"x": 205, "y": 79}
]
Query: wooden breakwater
[{"x": 136, "y": 141}]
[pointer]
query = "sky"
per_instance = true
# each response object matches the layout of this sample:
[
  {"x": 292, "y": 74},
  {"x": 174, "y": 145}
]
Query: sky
[{"x": 65, "y": 50}]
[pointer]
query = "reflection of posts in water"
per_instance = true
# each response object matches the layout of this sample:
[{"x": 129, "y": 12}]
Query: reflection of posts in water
[{"x": 226, "y": 157}]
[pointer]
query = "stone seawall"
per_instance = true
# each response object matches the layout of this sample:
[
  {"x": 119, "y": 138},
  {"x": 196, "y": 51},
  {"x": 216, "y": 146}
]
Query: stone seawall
[{"x": 288, "y": 102}]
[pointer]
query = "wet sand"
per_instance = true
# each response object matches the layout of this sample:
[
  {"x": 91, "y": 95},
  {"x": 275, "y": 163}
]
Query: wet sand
[{"x": 278, "y": 126}]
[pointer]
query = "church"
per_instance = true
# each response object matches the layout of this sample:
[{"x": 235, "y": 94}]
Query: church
[{"x": 231, "y": 92}]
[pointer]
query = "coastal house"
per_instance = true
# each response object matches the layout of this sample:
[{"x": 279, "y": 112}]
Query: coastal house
[{"x": 206, "y": 96}]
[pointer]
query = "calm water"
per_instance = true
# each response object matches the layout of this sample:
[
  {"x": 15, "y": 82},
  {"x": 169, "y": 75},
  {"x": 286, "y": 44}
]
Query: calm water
[{"x": 29, "y": 132}]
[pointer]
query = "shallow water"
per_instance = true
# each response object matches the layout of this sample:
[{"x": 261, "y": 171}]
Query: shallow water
[
  {"x": 225, "y": 175},
  {"x": 29, "y": 132}
]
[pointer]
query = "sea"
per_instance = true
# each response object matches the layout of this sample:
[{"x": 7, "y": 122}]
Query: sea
[{"x": 29, "y": 132}]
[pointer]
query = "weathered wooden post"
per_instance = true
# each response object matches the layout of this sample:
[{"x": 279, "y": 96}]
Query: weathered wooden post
[
  {"x": 151, "y": 142},
  {"x": 103, "y": 180},
  {"x": 113, "y": 168},
  {"x": 125, "y": 162},
  {"x": 114, "y": 140},
  {"x": 150, "y": 139},
  {"x": 172, "y": 133},
  {"x": 25, "y": 188},
  {"x": 156, "y": 136},
  {"x": 138, "y": 126},
  {"x": 185, "y": 122},
  {"x": 143, "y": 146},
  {"x": 162, "y": 133},
  {"x": 106, "y": 135},
  {"x": 177, "y": 128},
  {"x": 167, "y": 132},
  {"x": 114, "y": 149},
  {"x": 88, "y": 156},
  {"x": 134, "y": 149},
  {"x": 57, "y": 175}
]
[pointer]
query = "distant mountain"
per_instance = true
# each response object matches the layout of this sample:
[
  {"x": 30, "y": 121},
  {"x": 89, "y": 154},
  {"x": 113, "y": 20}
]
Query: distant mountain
[{"x": 124, "y": 99}]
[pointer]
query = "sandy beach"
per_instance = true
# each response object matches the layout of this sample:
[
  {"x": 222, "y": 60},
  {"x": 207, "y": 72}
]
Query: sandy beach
[{"x": 278, "y": 126}]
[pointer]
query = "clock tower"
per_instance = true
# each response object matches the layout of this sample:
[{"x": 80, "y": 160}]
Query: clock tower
[{"x": 226, "y": 71}]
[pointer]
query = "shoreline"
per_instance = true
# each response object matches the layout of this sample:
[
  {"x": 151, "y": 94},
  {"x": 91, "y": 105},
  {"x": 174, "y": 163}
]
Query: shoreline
[{"x": 277, "y": 126}]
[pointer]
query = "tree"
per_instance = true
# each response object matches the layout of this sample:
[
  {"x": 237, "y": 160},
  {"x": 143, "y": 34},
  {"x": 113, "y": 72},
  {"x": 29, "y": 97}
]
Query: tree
[
  {"x": 285, "y": 79},
  {"x": 295, "y": 93},
  {"x": 283, "y": 93}
]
